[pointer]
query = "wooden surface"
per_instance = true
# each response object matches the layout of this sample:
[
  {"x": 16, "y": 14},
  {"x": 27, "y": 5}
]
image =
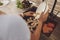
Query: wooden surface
[{"x": 57, "y": 7}]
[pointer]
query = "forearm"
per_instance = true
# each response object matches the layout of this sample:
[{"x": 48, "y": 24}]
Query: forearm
[{"x": 36, "y": 34}]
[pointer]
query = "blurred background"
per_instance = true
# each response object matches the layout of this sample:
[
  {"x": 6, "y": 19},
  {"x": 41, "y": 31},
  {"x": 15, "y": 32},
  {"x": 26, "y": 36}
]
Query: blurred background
[{"x": 56, "y": 10}]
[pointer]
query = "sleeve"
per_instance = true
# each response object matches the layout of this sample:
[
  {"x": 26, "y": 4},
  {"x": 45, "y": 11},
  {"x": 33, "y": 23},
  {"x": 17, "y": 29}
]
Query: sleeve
[{"x": 18, "y": 29}]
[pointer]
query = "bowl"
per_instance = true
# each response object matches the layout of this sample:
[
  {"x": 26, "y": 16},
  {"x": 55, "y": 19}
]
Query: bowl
[{"x": 42, "y": 8}]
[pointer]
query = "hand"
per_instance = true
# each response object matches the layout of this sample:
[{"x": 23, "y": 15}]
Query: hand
[{"x": 43, "y": 16}]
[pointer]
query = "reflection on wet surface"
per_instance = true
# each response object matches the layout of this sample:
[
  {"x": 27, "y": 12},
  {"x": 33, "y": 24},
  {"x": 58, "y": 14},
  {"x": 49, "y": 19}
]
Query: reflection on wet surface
[{"x": 55, "y": 34}]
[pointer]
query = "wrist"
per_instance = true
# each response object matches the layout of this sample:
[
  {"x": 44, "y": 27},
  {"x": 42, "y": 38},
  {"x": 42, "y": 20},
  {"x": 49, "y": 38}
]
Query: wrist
[{"x": 41, "y": 21}]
